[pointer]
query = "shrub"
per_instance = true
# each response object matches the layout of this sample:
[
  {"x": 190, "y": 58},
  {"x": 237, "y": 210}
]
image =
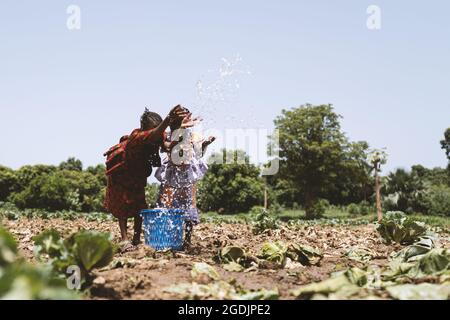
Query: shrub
[
  {"x": 62, "y": 190},
  {"x": 263, "y": 220},
  {"x": 8, "y": 182},
  {"x": 362, "y": 208},
  {"x": 353, "y": 209},
  {"x": 231, "y": 188},
  {"x": 50, "y": 192},
  {"x": 319, "y": 208},
  {"x": 437, "y": 199}
]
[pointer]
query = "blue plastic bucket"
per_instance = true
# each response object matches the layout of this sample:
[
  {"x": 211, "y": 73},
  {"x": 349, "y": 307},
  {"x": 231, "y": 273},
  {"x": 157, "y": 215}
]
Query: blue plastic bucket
[{"x": 163, "y": 228}]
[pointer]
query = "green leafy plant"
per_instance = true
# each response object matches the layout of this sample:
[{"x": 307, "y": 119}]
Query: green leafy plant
[
  {"x": 341, "y": 285},
  {"x": 304, "y": 254},
  {"x": 274, "y": 252},
  {"x": 87, "y": 249},
  {"x": 278, "y": 252},
  {"x": 20, "y": 280},
  {"x": 397, "y": 227},
  {"x": 235, "y": 259},
  {"x": 264, "y": 220}
]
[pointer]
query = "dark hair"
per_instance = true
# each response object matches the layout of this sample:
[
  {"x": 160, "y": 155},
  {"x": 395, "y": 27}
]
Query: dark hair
[{"x": 150, "y": 120}]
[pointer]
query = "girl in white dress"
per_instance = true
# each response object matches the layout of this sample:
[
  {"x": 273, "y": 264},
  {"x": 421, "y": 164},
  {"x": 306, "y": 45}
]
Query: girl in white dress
[{"x": 180, "y": 170}]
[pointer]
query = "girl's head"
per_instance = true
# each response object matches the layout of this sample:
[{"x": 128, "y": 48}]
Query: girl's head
[{"x": 150, "y": 120}]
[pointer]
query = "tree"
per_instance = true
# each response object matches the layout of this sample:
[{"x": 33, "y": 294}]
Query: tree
[
  {"x": 59, "y": 190},
  {"x": 231, "y": 188},
  {"x": 99, "y": 171},
  {"x": 437, "y": 199},
  {"x": 377, "y": 158},
  {"x": 28, "y": 173},
  {"x": 8, "y": 182},
  {"x": 71, "y": 164},
  {"x": 317, "y": 158},
  {"x": 445, "y": 143},
  {"x": 407, "y": 188},
  {"x": 50, "y": 192}
]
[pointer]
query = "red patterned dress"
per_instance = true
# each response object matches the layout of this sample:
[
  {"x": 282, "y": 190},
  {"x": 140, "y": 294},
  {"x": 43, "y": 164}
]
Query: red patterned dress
[{"x": 125, "y": 194}]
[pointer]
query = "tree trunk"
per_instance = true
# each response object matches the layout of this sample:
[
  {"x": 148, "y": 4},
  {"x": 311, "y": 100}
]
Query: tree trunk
[
  {"x": 265, "y": 197},
  {"x": 309, "y": 206},
  {"x": 378, "y": 195}
]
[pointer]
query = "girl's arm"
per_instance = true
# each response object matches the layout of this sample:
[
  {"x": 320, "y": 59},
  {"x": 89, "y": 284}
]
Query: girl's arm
[{"x": 156, "y": 135}]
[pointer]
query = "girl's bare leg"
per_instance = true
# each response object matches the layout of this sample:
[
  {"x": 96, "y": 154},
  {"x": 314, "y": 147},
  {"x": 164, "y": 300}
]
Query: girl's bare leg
[
  {"x": 189, "y": 226},
  {"x": 137, "y": 230},
  {"x": 123, "y": 228},
  {"x": 188, "y": 233}
]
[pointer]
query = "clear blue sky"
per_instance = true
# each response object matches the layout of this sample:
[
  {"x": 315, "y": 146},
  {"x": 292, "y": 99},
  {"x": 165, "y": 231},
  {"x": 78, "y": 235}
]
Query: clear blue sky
[{"x": 74, "y": 93}]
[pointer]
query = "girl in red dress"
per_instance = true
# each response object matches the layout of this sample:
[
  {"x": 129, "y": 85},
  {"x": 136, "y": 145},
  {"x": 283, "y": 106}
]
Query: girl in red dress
[{"x": 125, "y": 192}]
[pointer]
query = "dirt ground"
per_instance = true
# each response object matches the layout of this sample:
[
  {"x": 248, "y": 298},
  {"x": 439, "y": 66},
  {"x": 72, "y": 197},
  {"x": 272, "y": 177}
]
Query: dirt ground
[{"x": 144, "y": 273}]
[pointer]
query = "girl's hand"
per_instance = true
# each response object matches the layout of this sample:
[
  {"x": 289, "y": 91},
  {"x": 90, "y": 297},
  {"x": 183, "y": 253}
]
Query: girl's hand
[
  {"x": 189, "y": 122},
  {"x": 177, "y": 113}
]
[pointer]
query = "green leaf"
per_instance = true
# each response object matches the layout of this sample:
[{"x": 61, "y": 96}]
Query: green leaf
[
  {"x": 360, "y": 254},
  {"x": 332, "y": 285},
  {"x": 8, "y": 248},
  {"x": 435, "y": 262},
  {"x": 261, "y": 294},
  {"x": 200, "y": 268},
  {"x": 24, "y": 281},
  {"x": 232, "y": 254},
  {"x": 356, "y": 276},
  {"x": 233, "y": 267},
  {"x": 304, "y": 254},
  {"x": 397, "y": 227},
  {"x": 93, "y": 249},
  {"x": 423, "y": 291},
  {"x": 49, "y": 242},
  {"x": 274, "y": 252}
]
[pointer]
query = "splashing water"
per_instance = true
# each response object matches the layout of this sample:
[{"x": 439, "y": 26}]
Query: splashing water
[{"x": 218, "y": 90}]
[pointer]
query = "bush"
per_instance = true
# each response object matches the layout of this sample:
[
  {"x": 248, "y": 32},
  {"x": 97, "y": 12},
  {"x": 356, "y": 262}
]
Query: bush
[
  {"x": 319, "y": 208},
  {"x": 8, "y": 182},
  {"x": 50, "y": 192},
  {"x": 231, "y": 188},
  {"x": 62, "y": 190},
  {"x": 362, "y": 208},
  {"x": 437, "y": 199},
  {"x": 263, "y": 220},
  {"x": 353, "y": 209}
]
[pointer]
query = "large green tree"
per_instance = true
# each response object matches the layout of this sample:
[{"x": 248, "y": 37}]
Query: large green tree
[
  {"x": 71, "y": 164},
  {"x": 230, "y": 187},
  {"x": 8, "y": 182},
  {"x": 318, "y": 160},
  {"x": 445, "y": 143}
]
